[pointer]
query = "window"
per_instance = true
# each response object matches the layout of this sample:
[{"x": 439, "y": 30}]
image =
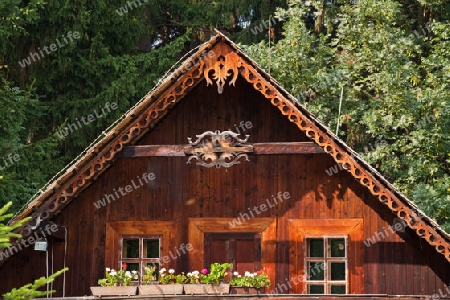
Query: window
[
  {"x": 326, "y": 265},
  {"x": 320, "y": 241},
  {"x": 138, "y": 252},
  {"x": 146, "y": 243}
]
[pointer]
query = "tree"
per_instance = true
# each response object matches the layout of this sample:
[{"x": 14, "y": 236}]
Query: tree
[
  {"x": 392, "y": 67},
  {"x": 61, "y": 62},
  {"x": 25, "y": 147}
]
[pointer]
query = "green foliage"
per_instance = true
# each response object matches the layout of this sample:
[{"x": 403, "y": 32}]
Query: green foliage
[
  {"x": 14, "y": 17},
  {"x": 30, "y": 291},
  {"x": 256, "y": 280},
  {"x": 6, "y": 232},
  {"x": 123, "y": 48},
  {"x": 25, "y": 143},
  {"x": 394, "y": 74},
  {"x": 193, "y": 277},
  {"x": 116, "y": 278},
  {"x": 171, "y": 277},
  {"x": 216, "y": 273},
  {"x": 150, "y": 275},
  {"x": 425, "y": 194}
]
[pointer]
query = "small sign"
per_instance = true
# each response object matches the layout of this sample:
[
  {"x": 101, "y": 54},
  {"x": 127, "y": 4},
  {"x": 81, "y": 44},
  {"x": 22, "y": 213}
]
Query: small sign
[{"x": 40, "y": 246}]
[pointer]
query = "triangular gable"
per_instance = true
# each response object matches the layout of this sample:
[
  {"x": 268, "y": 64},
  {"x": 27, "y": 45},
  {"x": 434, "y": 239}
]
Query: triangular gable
[{"x": 219, "y": 62}]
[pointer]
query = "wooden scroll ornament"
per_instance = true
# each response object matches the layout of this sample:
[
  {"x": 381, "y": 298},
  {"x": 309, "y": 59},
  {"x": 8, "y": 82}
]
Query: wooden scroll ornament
[
  {"x": 225, "y": 66},
  {"x": 219, "y": 149}
]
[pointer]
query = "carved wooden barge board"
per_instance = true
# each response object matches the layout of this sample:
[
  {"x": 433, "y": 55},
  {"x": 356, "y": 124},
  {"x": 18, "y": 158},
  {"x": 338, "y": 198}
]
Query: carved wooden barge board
[{"x": 130, "y": 130}]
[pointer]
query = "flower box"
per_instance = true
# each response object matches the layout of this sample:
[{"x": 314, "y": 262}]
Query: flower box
[
  {"x": 245, "y": 290},
  {"x": 209, "y": 289},
  {"x": 113, "y": 290},
  {"x": 161, "y": 289}
]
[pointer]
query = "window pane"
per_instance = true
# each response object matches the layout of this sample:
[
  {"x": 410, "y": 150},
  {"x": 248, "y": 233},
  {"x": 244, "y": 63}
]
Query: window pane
[
  {"x": 315, "y": 247},
  {"x": 336, "y": 247},
  {"x": 151, "y": 270},
  {"x": 130, "y": 248},
  {"x": 131, "y": 266},
  {"x": 316, "y": 289},
  {"x": 151, "y": 248},
  {"x": 338, "y": 289},
  {"x": 316, "y": 270},
  {"x": 337, "y": 271}
]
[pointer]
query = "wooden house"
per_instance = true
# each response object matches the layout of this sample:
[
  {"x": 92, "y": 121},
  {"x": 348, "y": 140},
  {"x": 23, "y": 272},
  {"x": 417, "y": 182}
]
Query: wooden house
[{"x": 220, "y": 163}]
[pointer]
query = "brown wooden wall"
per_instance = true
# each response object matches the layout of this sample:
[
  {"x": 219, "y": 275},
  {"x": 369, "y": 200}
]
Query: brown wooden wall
[{"x": 396, "y": 265}]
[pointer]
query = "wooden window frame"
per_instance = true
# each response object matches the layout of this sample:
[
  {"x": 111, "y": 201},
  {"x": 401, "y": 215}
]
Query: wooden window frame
[
  {"x": 266, "y": 226},
  {"x": 116, "y": 229},
  {"x": 300, "y": 229},
  {"x": 326, "y": 260},
  {"x": 141, "y": 260}
]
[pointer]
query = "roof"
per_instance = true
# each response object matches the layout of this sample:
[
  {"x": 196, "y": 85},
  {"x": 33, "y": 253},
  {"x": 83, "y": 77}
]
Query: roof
[{"x": 222, "y": 67}]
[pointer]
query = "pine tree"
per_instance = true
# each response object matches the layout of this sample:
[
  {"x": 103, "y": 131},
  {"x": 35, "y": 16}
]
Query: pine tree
[{"x": 104, "y": 52}]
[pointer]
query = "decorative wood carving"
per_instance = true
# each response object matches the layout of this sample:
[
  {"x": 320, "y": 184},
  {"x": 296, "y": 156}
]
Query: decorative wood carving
[
  {"x": 38, "y": 216},
  {"x": 219, "y": 149},
  {"x": 220, "y": 68}
]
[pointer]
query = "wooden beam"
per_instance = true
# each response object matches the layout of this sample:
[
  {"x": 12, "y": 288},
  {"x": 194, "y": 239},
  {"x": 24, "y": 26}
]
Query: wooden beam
[
  {"x": 258, "y": 149},
  {"x": 152, "y": 150},
  {"x": 286, "y": 148}
]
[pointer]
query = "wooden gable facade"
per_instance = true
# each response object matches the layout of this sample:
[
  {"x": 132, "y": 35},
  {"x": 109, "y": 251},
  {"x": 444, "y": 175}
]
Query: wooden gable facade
[{"x": 279, "y": 210}]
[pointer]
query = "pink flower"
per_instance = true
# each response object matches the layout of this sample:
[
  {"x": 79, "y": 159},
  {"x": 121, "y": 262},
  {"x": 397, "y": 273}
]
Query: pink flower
[{"x": 204, "y": 271}]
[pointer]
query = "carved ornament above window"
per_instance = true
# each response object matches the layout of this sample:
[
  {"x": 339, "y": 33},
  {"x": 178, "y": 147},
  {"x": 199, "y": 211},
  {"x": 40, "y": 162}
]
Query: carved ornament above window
[{"x": 219, "y": 149}]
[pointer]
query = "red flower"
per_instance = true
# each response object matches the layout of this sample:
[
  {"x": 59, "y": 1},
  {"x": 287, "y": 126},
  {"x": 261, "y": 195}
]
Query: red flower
[
  {"x": 124, "y": 266},
  {"x": 204, "y": 271}
]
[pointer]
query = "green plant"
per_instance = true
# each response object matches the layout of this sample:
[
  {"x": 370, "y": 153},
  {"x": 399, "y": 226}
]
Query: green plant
[
  {"x": 171, "y": 278},
  {"x": 117, "y": 278},
  {"x": 193, "y": 277},
  {"x": 28, "y": 291},
  {"x": 150, "y": 275},
  {"x": 6, "y": 232},
  {"x": 216, "y": 273},
  {"x": 257, "y": 280}
]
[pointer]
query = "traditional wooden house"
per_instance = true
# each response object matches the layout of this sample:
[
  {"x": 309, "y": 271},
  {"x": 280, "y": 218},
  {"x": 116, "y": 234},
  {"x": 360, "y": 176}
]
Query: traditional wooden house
[{"x": 220, "y": 163}]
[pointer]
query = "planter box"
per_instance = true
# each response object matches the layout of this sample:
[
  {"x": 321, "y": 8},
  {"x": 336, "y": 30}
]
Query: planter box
[
  {"x": 113, "y": 290},
  {"x": 161, "y": 289},
  {"x": 244, "y": 290},
  {"x": 210, "y": 289}
]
